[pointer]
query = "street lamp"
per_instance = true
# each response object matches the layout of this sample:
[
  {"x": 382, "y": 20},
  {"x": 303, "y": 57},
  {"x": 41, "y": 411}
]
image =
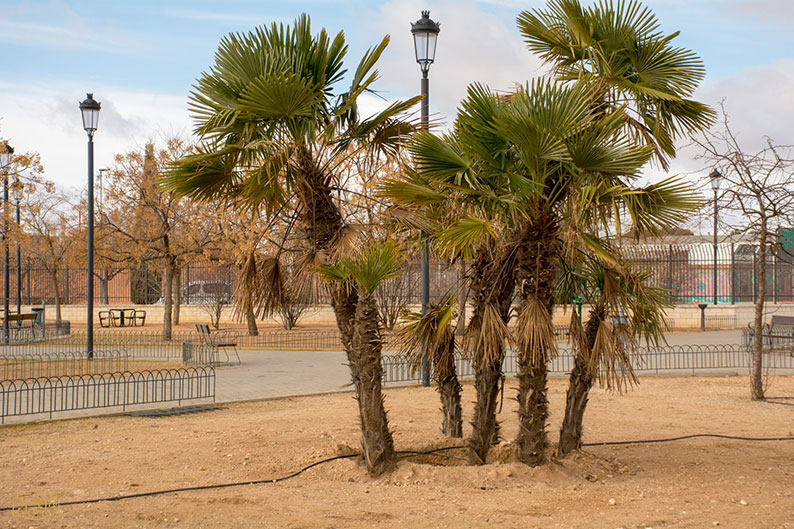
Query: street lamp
[
  {"x": 715, "y": 176},
  {"x": 18, "y": 198},
  {"x": 90, "y": 110},
  {"x": 6, "y": 153},
  {"x": 425, "y": 33}
]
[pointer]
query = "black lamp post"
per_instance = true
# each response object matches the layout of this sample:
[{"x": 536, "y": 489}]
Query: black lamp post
[
  {"x": 6, "y": 152},
  {"x": 425, "y": 33},
  {"x": 17, "y": 198},
  {"x": 90, "y": 110},
  {"x": 715, "y": 177}
]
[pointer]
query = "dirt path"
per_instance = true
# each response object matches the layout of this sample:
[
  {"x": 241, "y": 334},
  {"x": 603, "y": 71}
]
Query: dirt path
[{"x": 685, "y": 484}]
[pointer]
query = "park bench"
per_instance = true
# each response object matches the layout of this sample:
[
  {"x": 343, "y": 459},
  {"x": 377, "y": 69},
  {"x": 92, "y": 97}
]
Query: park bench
[
  {"x": 778, "y": 333},
  {"x": 25, "y": 324},
  {"x": 223, "y": 344}
]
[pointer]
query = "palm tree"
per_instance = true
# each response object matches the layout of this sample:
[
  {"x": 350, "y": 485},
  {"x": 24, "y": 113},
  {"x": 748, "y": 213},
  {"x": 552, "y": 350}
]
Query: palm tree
[
  {"x": 274, "y": 131},
  {"x": 363, "y": 273},
  {"x": 606, "y": 344},
  {"x": 434, "y": 333},
  {"x": 631, "y": 71}
]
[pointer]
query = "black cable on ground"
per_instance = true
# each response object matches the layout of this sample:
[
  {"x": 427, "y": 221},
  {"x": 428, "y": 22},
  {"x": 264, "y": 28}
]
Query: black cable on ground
[
  {"x": 692, "y": 436},
  {"x": 435, "y": 451}
]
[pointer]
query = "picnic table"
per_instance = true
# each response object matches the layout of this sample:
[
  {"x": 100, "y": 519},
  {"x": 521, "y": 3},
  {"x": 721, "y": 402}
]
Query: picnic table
[{"x": 123, "y": 317}]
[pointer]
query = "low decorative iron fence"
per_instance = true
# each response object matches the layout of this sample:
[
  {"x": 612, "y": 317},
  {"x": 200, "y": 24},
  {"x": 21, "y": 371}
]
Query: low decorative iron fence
[
  {"x": 691, "y": 358},
  {"x": 50, "y": 395},
  {"x": 199, "y": 353},
  {"x": 52, "y": 364}
]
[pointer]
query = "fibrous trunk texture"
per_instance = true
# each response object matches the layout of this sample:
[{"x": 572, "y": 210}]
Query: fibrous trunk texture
[
  {"x": 357, "y": 319},
  {"x": 492, "y": 283},
  {"x": 579, "y": 386},
  {"x": 537, "y": 272},
  {"x": 365, "y": 366},
  {"x": 449, "y": 390}
]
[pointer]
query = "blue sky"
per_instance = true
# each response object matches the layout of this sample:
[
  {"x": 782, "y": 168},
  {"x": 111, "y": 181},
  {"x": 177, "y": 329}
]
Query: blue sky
[{"x": 140, "y": 59}]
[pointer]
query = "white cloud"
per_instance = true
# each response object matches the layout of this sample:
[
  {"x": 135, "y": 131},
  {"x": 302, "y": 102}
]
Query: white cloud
[
  {"x": 42, "y": 119},
  {"x": 474, "y": 45}
]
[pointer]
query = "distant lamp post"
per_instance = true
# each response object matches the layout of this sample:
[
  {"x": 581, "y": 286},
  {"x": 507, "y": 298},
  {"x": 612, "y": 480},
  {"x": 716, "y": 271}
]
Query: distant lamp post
[
  {"x": 18, "y": 198},
  {"x": 90, "y": 110},
  {"x": 425, "y": 33},
  {"x": 715, "y": 176},
  {"x": 6, "y": 154}
]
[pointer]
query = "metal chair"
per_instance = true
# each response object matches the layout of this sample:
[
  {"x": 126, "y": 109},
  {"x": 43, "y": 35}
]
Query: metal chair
[{"x": 222, "y": 345}]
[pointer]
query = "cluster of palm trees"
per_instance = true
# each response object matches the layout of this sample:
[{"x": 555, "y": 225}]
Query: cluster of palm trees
[{"x": 531, "y": 188}]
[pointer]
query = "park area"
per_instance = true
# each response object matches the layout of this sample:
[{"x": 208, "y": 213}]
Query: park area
[{"x": 699, "y": 482}]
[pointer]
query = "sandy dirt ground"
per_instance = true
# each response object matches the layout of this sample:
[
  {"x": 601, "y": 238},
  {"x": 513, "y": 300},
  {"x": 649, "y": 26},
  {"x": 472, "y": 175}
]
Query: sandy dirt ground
[{"x": 692, "y": 483}]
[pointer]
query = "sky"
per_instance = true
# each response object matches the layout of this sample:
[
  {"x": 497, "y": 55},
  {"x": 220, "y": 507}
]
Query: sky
[{"x": 140, "y": 59}]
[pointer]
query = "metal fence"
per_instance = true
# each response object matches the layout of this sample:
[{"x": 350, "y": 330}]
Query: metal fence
[
  {"x": 688, "y": 272},
  {"x": 691, "y": 358},
  {"x": 47, "y": 365},
  {"x": 685, "y": 270},
  {"x": 49, "y": 395}
]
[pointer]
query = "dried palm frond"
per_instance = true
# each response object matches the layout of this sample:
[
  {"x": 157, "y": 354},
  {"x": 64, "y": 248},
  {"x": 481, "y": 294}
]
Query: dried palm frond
[
  {"x": 611, "y": 356},
  {"x": 535, "y": 332},
  {"x": 485, "y": 338},
  {"x": 261, "y": 287},
  {"x": 576, "y": 333},
  {"x": 246, "y": 287},
  {"x": 347, "y": 242},
  {"x": 433, "y": 333}
]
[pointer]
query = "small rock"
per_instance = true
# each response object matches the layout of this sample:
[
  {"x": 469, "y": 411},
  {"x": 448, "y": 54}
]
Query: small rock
[
  {"x": 742, "y": 502},
  {"x": 715, "y": 523},
  {"x": 612, "y": 501}
]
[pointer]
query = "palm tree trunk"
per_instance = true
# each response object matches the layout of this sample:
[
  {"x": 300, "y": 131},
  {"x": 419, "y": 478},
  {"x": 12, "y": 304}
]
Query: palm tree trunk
[
  {"x": 357, "y": 318},
  {"x": 492, "y": 283},
  {"x": 579, "y": 386},
  {"x": 367, "y": 371},
  {"x": 449, "y": 389},
  {"x": 533, "y": 410},
  {"x": 485, "y": 428},
  {"x": 537, "y": 264}
]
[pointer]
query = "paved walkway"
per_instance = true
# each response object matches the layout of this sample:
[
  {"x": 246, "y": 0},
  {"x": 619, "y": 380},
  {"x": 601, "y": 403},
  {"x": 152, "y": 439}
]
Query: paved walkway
[
  {"x": 272, "y": 374},
  {"x": 267, "y": 374}
]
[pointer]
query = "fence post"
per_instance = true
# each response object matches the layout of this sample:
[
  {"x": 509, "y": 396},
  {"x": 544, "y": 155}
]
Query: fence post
[
  {"x": 66, "y": 297},
  {"x": 28, "y": 280},
  {"x": 670, "y": 269}
]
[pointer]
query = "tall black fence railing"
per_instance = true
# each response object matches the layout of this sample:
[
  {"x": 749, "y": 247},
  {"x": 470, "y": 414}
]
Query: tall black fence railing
[{"x": 687, "y": 271}]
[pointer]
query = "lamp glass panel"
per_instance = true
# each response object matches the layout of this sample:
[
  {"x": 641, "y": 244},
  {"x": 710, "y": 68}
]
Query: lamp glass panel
[
  {"x": 431, "y": 47},
  {"x": 420, "y": 44},
  {"x": 90, "y": 119}
]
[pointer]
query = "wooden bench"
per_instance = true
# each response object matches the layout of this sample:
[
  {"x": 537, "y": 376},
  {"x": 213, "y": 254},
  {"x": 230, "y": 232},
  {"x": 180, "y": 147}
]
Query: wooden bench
[
  {"x": 223, "y": 344},
  {"x": 26, "y": 323}
]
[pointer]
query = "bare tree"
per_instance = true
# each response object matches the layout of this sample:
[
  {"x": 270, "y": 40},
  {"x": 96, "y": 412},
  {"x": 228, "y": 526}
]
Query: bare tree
[
  {"x": 393, "y": 297},
  {"x": 758, "y": 188}
]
